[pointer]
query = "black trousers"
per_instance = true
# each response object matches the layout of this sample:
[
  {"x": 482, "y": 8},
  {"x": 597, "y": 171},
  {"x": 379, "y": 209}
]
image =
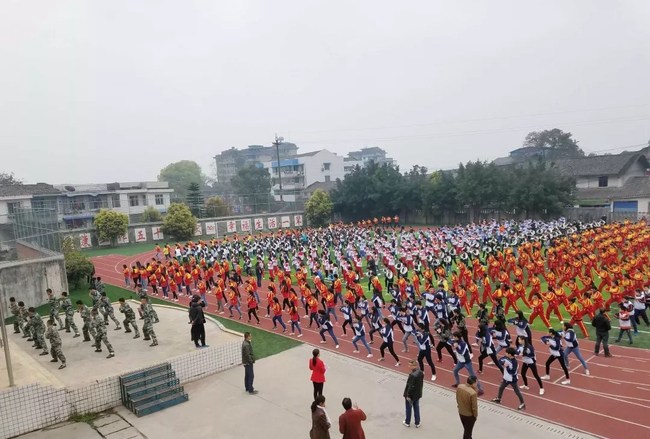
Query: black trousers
[
  {"x": 533, "y": 368},
  {"x": 442, "y": 345},
  {"x": 468, "y": 426},
  {"x": 550, "y": 361},
  {"x": 494, "y": 358},
  {"x": 318, "y": 389},
  {"x": 198, "y": 333},
  {"x": 385, "y": 345},
  {"x": 253, "y": 312},
  {"x": 426, "y": 354}
]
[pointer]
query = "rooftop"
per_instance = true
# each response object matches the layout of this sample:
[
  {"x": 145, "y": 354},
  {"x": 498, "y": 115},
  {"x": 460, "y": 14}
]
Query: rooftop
[
  {"x": 28, "y": 190},
  {"x": 600, "y": 164}
]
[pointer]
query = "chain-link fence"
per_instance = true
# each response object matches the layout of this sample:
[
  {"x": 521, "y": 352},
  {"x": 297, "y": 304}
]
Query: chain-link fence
[
  {"x": 247, "y": 204},
  {"x": 25, "y": 233}
]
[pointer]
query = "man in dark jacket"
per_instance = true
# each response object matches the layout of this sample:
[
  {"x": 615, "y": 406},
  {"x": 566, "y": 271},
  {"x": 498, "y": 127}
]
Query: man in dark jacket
[
  {"x": 413, "y": 393},
  {"x": 197, "y": 320},
  {"x": 603, "y": 326},
  {"x": 248, "y": 359}
]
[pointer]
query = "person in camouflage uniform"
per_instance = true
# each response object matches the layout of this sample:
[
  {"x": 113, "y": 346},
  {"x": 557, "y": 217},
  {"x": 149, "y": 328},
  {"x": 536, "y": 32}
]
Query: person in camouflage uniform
[
  {"x": 106, "y": 308},
  {"x": 129, "y": 318},
  {"x": 84, "y": 311},
  {"x": 147, "y": 327},
  {"x": 99, "y": 327},
  {"x": 38, "y": 329},
  {"x": 15, "y": 311},
  {"x": 55, "y": 307},
  {"x": 66, "y": 305},
  {"x": 24, "y": 317},
  {"x": 55, "y": 344},
  {"x": 96, "y": 297}
]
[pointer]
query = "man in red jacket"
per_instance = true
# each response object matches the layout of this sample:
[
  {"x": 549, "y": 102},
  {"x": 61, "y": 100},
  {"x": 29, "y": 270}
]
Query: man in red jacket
[{"x": 350, "y": 421}]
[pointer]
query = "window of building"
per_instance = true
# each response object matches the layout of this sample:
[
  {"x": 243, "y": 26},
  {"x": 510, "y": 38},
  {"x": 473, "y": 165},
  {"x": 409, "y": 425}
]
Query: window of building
[
  {"x": 603, "y": 181},
  {"x": 134, "y": 200},
  {"x": 13, "y": 207},
  {"x": 327, "y": 178},
  {"x": 145, "y": 200},
  {"x": 326, "y": 166},
  {"x": 160, "y": 200},
  {"x": 116, "y": 201},
  {"x": 38, "y": 204}
]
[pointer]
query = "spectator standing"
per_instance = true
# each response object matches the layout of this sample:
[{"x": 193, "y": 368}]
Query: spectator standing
[
  {"x": 467, "y": 401},
  {"x": 248, "y": 359},
  {"x": 413, "y": 393},
  {"x": 320, "y": 421},
  {"x": 602, "y": 325},
  {"x": 350, "y": 421},
  {"x": 318, "y": 369},
  {"x": 197, "y": 320}
]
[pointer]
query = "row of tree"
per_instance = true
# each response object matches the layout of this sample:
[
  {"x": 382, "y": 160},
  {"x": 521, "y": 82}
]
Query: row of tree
[{"x": 535, "y": 189}]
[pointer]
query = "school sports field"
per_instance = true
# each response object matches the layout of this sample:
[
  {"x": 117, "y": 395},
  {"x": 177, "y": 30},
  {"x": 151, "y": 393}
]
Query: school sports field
[{"x": 610, "y": 403}]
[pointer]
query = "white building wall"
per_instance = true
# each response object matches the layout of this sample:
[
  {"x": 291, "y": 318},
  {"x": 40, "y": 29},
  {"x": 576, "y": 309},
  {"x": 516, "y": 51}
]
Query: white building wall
[
  {"x": 25, "y": 202},
  {"x": 314, "y": 167}
]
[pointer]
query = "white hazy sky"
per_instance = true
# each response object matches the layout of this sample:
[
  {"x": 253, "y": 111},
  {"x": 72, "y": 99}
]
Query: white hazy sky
[{"x": 101, "y": 91}]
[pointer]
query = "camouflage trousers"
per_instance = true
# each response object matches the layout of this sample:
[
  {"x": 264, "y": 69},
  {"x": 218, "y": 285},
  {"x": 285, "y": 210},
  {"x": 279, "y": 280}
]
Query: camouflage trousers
[
  {"x": 57, "y": 353},
  {"x": 85, "y": 329},
  {"x": 57, "y": 317},
  {"x": 110, "y": 314},
  {"x": 19, "y": 324},
  {"x": 130, "y": 321},
  {"x": 101, "y": 338},
  {"x": 39, "y": 339},
  {"x": 70, "y": 324},
  {"x": 147, "y": 330}
]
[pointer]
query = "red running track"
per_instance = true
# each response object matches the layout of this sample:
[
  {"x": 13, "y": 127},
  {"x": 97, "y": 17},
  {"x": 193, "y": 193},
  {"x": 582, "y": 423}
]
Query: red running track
[{"x": 611, "y": 403}]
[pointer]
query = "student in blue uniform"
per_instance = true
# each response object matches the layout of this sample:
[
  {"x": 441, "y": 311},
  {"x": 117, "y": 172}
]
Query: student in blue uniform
[
  {"x": 346, "y": 310},
  {"x": 423, "y": 338},
  {"x": 326, "y": 326},
  {"x": 571, "y": 342},
  {"x": 386, "y": 333},
  {"x": 360, "y": 335},
  {"x": 527, "y": 352},
  {"x": 522, "y": 326},
  {"x": 510, "y": 368},
  {"x": 464, "y": 357},
  {"x": 554, "y": 343}
]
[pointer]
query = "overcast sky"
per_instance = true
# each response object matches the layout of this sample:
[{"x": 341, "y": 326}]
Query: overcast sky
[{"x": 102, "y": 91}]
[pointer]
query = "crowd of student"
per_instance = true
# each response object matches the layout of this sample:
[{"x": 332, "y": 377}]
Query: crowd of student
[{"x": 425, "y": 282}]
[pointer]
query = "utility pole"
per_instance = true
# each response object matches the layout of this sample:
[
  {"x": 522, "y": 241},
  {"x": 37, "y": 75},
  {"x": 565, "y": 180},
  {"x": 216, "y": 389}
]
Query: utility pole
[
  {"x": 3, "y": 337},
  {"x": 277, "y": 142}
]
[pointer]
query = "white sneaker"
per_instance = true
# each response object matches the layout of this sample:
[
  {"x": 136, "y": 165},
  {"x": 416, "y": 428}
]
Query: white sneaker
[
  {"x": 566, "y": 382},
  {"x": 337, "y": 346},
  {"x": 405, "y": 424},
  {"x": 397, "y": 364},
  {"x": 299, "y": 335},
  {"x": 546, "y": 377},
  {"x": 541, "y": 391},
  {"x": 355, "y": 351},
  {"x": 369, "y": 356},
  {"x": 323, "y": 342},
  {"x": 381, "y": 359},
  {"x": 587, "y": 372},
  {"x": 524, "y": 387},
  {"x": 433, "y": 377}
]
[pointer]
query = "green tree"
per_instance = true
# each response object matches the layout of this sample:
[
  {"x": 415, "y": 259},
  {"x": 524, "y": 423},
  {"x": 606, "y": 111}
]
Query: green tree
[
  {"x": 372, "y": 191},
  {"x": 179, "y": 175},
  {"x": 111, "y": 224},
  {"x": 151, "y": 215},
  {"x": 194, "y": 199},
  {"x": 8, "y": 179},
  {"x": 179, "y": 222},
  {"x": 77, "y": 266},
  {"x": 479, "y": 185},
  {"x": 560, "y": 143},
  {"x": 253, "y": 186},
  {"x": 414, "y": 192},
  {"x": 216, "y": 206},
  {"x": 319, "y": 208},
  {"x": 440, "y": 196}
]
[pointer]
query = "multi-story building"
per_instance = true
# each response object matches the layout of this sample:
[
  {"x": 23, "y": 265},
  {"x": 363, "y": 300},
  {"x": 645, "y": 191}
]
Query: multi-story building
[
  {"x": 230, "y": 161},
  {"x": 298, "y": 173},
  {"x": 366, "y": 155},
  {"x": 77, "y": 205}
]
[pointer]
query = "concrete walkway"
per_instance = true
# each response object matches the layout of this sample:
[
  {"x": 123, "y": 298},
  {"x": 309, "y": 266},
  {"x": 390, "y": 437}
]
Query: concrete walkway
[{"x": 219, "y": 407}]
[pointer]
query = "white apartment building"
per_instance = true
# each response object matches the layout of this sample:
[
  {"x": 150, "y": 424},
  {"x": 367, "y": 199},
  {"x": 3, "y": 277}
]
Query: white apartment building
[{"x": 301, "y": 171}]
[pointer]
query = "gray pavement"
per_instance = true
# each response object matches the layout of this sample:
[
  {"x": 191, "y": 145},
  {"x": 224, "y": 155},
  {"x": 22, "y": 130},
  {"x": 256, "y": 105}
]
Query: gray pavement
[{"x": 219, "y": 407}]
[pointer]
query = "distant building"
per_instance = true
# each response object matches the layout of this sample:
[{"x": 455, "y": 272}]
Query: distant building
[
  {"x": 620, "y": 182},
  {"x": 366, "y": 155},
  {"x": 77, "y": 205},
  {"x": 230, "y": 161},
  {"x": 319, "y": 185},
  {"x": 300, "y": 172}
]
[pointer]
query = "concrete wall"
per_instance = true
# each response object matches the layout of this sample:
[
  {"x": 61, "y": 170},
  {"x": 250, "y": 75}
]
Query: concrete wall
[{"x": 27, "y": 280}]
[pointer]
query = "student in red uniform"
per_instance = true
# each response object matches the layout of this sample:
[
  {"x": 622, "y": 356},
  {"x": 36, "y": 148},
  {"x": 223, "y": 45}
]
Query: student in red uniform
[
  {"x": 318, "y": 369},
  {"x": 294, "y": 317},
  {"x": 252, "y": 307},
  {"x": 277, "y": 315},
  {"x": 127, "y": 275}
]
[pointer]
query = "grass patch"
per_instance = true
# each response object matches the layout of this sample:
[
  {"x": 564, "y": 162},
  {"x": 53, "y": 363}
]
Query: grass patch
[
  {"x": 125, "y": 250},
  {"x": 87, "y": 418}
]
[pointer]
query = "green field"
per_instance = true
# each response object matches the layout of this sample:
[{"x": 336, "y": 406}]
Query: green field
[
  {"x": 266, "y": 343},
  {"x": 125, "y": 250}
]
